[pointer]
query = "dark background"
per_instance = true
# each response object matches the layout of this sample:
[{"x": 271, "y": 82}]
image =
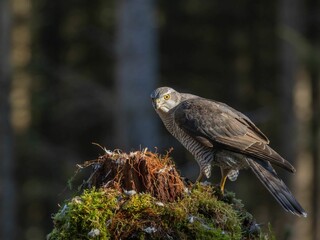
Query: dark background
[{"x": 76, "y": 72}]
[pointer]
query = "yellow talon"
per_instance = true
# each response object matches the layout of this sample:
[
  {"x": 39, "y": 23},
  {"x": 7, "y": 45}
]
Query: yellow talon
[
  {"x": 224, "y": 175},
  {"x": 222, "y": 183}
]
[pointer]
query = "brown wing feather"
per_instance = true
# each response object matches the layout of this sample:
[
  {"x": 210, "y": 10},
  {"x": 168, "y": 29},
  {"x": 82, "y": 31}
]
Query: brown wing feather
[{"x": 221, "y": 124}]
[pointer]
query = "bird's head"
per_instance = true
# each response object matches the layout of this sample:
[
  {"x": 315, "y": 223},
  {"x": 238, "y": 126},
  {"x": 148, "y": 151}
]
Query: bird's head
[{"x": 164, "y": 99}]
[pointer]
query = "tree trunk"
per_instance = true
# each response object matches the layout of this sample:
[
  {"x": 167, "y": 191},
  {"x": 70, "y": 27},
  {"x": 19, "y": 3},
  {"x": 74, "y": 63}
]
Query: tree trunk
[
  {"x": 288, "y": 15},
  {"x": 315, "y": 138},
  {"x": 313, "y": 21},
  {"x": 136, "y": 73},
  {"x": 7, "y": 185}
]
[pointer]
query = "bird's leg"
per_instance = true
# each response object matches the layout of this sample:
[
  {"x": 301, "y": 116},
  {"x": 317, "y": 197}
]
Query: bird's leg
[
  {"x": 198, "y": 180},
  {"x": 224, "y": 175},
  {"x": 200, "y": 177}
]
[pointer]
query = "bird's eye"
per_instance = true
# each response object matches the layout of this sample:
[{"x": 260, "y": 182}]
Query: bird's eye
[{"x": 166, "y": 97}]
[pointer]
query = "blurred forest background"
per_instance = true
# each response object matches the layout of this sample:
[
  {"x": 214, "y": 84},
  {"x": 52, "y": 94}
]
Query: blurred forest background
[{"x": 76, "y": 72}]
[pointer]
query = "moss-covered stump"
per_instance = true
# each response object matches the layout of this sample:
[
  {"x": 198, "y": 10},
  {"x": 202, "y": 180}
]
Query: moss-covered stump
[{"x": 141, "y": 196}]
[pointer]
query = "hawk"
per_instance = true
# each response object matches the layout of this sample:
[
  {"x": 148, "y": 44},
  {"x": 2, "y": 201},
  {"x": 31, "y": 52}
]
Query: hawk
[{"x": 218, "y": 135}]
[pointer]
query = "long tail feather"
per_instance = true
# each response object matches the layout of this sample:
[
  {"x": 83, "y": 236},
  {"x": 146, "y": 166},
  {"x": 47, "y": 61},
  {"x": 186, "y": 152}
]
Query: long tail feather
[{"x": 269, "y": 178}]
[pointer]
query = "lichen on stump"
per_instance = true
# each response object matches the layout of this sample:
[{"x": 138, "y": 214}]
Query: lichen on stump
[{"x": 141, "y": 195}]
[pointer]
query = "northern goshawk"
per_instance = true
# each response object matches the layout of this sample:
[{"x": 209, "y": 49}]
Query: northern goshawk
[{"x": 217, "y": 134}]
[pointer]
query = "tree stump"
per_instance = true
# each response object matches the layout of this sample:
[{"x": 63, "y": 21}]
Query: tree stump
[{"x": 140, "y": 171}]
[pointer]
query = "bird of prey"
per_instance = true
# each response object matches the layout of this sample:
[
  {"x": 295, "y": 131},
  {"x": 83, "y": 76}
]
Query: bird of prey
[{"x": 218, "y": 135}]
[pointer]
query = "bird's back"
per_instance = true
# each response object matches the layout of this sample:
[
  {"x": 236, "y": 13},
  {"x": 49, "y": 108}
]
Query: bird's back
[{"x": 225, "y": 127}]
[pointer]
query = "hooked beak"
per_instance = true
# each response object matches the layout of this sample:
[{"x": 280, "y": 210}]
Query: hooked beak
[{"x": 156, "y": 103}]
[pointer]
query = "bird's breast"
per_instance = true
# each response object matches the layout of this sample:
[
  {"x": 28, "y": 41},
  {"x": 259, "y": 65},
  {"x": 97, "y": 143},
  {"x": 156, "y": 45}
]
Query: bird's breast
[{"x": 204, "y": 155}]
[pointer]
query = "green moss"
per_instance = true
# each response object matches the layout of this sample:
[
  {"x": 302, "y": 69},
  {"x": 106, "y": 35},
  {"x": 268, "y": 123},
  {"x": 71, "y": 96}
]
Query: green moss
[
  {"x": 85, "y": 216},
  {"x": 109, "y": 214},
  {"x": 202, "y": 216},
  {"x": 138, "y": 203}
]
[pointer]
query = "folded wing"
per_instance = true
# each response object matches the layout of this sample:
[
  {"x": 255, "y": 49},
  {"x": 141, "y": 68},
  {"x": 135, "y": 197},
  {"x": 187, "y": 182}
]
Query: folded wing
[{"x": 222, "y": 126}]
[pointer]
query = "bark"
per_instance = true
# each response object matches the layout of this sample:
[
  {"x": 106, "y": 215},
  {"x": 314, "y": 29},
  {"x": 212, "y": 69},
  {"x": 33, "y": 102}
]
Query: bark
[
  {"x": 7, "y": 185},
  {"x": 136, "y": 73},
  {"x": 141, "y": 172}
]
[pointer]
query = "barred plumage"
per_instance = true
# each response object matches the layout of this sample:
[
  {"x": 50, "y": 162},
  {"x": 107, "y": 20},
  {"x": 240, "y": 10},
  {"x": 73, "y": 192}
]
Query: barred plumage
[
  {"x": 217, "y": 134},
  {"x": 203, "y": 155}
]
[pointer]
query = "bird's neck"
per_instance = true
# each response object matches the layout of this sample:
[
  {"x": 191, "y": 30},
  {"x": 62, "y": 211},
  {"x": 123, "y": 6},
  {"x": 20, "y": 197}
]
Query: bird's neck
[{"x": 167, "y": 119}]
